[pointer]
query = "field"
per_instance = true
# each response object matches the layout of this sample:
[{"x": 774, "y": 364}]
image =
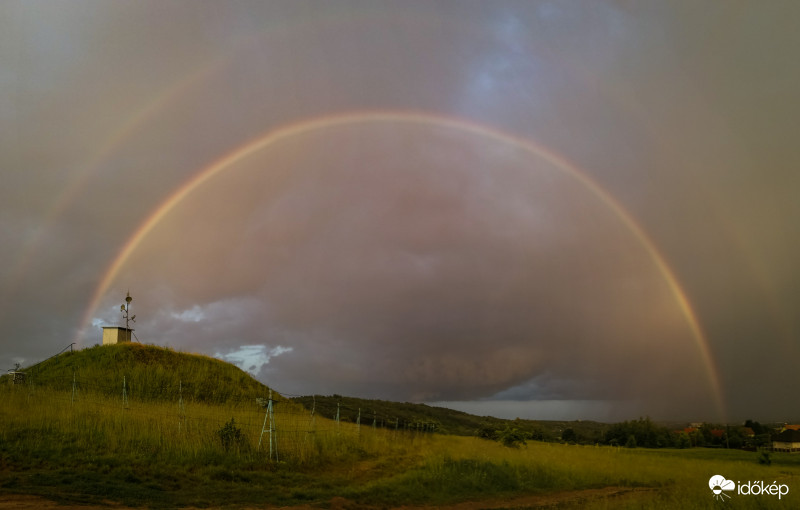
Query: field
[{"x": 97, "y": 447}]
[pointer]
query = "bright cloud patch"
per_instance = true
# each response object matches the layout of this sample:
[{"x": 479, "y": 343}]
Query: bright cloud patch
[
  {"x": 251, "y": 358},
  {"x": 194, "y": 314}
]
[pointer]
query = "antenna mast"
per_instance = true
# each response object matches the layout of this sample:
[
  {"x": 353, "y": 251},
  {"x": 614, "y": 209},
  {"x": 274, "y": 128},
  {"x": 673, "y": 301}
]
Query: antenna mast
[{"x": 125, "y": 315}]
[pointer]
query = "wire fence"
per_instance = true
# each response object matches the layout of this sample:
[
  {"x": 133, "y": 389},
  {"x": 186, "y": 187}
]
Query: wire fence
[{"x": 161, "y": 415}]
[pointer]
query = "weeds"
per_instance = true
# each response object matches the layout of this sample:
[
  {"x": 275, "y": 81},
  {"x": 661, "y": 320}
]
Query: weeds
[{"x": 231, "y": 436}]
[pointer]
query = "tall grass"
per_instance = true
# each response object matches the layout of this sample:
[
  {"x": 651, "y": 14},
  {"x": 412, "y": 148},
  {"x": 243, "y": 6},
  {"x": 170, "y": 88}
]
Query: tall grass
[
  {"x": 164, "y": 431},
  {"x": 461, "y": 469},
  {"x": 162, "y": 454},
  {"x": 157, "y": 454},
  {"x": 165, "y": 447}
]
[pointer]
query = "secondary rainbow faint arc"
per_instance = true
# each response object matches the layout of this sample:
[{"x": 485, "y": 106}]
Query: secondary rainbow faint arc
[{"x": 309, "y": 125}]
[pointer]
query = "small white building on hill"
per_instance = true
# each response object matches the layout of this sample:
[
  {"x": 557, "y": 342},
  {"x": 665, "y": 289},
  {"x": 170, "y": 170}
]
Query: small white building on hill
[{"x": 116, "y": 334}]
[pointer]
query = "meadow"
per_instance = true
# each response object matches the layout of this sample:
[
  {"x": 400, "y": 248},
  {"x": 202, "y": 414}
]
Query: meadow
[{"x": 93, "y": 447}]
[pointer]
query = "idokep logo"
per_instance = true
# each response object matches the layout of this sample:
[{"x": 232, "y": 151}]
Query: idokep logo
[{"x": 719, "y": 485}]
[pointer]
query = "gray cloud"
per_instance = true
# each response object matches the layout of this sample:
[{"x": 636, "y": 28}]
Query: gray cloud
[{"x": 407, "y": 260}]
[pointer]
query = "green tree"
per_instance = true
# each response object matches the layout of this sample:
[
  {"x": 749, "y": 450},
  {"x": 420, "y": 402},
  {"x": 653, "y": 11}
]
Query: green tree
[
  {"x": 488, "y": 432},
  {"x": 758, "y": 428},
  {"x": 569, "y": 436},
  {"x": 631, "y": 442},
  {"x": 512, "y": 437}
]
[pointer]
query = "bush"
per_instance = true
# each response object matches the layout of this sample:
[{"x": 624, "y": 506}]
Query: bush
[
  {"x": 764, "y": 459},
  {"x": 487, "y": 432},
  {"x": 569, "y": 436},
  {"x": 231, "y": 436},
  {"x": 512, "y": 437}
]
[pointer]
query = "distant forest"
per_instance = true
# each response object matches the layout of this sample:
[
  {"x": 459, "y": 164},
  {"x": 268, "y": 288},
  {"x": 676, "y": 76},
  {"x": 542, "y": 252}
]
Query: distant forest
[{"x": 642, "y": 432}]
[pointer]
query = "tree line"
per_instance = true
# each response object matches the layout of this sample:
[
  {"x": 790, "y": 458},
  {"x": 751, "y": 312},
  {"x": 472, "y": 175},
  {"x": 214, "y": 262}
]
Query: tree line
[{"x": 640, "y": 433}]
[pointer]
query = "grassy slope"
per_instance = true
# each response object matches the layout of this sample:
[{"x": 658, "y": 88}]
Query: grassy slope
[{"x": 149, "y": 372}]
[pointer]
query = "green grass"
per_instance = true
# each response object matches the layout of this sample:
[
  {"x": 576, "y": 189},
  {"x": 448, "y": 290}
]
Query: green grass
[
  {"x": 468, "y": 469},
  {"x": 149, "y": 373},
  {"x": 91, "y": 448}
]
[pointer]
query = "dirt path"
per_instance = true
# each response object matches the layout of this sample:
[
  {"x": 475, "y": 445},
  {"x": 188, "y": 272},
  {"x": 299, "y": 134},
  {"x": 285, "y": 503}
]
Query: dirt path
[
  {"x": 624, "y": 494},
  {"x": 543, "y": 500},
  {"x": 25, "y": 502}
]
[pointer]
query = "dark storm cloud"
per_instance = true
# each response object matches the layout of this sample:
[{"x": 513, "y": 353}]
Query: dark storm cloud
[
  {"x": 432, "y": 263},
  {"x": 415, "y": 262}
]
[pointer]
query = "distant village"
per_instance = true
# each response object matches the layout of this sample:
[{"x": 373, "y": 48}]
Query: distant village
[{"x": 751, "y": 436}]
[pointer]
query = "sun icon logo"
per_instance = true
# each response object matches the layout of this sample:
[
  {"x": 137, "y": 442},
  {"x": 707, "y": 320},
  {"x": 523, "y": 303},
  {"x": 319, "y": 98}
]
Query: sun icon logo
[{"x": 717, "y": 484}]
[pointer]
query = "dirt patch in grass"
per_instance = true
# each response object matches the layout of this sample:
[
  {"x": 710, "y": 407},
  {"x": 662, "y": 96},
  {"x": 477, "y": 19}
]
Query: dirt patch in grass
[
  {"x": 28, "y": 502},
  {"x": 559, "y": 499},
  {"x": 552, "y": 499}
]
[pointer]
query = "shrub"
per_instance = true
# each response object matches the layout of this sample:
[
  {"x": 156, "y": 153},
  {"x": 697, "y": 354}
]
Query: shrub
[
  {"x": 512, "y": 437},
  {"x": 231, "y": 436},
  {"x": 569, "y": 436},
  {"x": 487, "y": 432}
]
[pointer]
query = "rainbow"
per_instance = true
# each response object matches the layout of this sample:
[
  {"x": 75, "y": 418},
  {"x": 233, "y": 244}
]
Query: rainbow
[
  {"x": 306, "y": 126},
  {"x": 124, "y": 132}
]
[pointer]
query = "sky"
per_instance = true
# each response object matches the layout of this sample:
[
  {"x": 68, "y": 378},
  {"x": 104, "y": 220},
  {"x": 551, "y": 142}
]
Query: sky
[{"x": 545, "y": 210}]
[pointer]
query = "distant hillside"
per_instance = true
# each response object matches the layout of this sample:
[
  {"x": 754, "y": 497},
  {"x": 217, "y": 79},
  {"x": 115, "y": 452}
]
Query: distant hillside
[
  {"x": 390, "y": 414},
  {"x": 149, "y": 372},
  {"x": 447, "y": 421}
]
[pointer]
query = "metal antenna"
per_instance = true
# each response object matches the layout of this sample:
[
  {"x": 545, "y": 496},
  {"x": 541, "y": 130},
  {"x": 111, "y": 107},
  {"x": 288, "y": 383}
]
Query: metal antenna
[{"x": 125, "y": 315}]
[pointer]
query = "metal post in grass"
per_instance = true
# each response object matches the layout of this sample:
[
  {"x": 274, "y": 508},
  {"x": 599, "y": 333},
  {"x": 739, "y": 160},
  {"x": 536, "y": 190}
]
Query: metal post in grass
[
  {"x": 72, "y": 402},
  {"x": 337, "y": 415},
  {"x": 269, "y": 417},
  {"x": 358, "y": 421},
  {"x": 181, "y": 408},
  {"x": 374, "y": 418},
  {"x": 272, "y": 429},
  {"x": 124, "y": 392},
  {"x": 263, "y": 427},
  {"x": 311, "y": 422}
]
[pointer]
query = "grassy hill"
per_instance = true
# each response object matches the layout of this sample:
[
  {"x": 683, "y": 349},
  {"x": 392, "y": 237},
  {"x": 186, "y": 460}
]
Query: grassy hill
[
  {"x": 149, "y": 373},
  {"x": 221, "y": 449},
  {"x": 407, "y": 415},
  {"x": 153, "y": 373}
]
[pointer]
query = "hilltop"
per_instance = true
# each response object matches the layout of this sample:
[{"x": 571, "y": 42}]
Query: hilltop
[{"x": 149, "y": 373}]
